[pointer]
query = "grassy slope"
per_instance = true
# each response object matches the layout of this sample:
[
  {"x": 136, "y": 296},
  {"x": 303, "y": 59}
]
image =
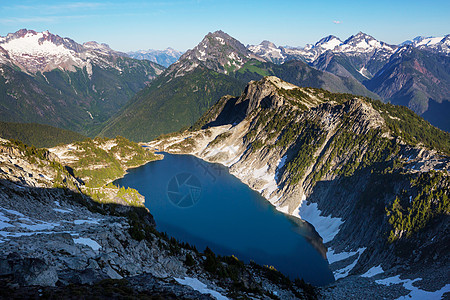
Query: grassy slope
[
  {"x": 165, "y": 107},
  {"x": 99, "y": 166}
]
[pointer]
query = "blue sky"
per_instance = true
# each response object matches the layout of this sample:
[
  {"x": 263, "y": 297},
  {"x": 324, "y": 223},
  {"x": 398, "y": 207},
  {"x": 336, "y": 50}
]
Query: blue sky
[{"x": 132, "y": 25}]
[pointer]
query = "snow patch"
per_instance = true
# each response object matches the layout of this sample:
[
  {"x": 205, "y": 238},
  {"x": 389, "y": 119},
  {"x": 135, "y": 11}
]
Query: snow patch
[
  {"x": 88, "y": 242},
  {"x": 334, "y": 257},
  {"x": 3, "y": 220},
  {"x": 327, "y": 227},
  {"x": 430, "y": 41},
  {"x": 80, "y": 222},
  {"x": 284, "y": 209},
  {"x": 330, "y": 45},
  {"x": 202, "y": 55},
  {"x": 373, "y": 271},
  {"x": 64, "y": 211},
  {"x": 415, "y": 293},
  {"x": 341, "y": 273},
  {"x": 197, "y": 285},
  {"x": 280, "y": 164},
  {"x": 13, "y": 212},
  {"x": 39, "y": 226},
  {"x": 362, "y": 72},
  {"x": 221, "y": 40}
]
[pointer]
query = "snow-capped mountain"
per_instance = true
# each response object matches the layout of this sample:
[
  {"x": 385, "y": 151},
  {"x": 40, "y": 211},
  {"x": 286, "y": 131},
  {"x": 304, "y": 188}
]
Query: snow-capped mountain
[
  {"x": 53, "y": 80},
  {"x": 413, "y": 73},
  {"x": 36, "y": 52},
  {"x": 356, "y": 45},
  {"x": 439, "y": 44},
  {"x": 312, "y": 52},
  {"x": 164, "y": 57},
  {"x": 364, "y": 43},
  {"x": 360, "y": 45},
  {"x": 269, "y": 51},
  {"x": 366, "y": 54}
]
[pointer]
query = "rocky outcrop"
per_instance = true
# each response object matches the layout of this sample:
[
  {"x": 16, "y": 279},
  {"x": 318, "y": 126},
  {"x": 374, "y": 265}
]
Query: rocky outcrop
[{"x": 334, "y": 161}]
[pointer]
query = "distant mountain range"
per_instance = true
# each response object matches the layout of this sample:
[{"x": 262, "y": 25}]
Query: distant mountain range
[
  {"x": 93, "y": 89},
  {"x": 360, "y": 44},
  {"x": 164, "y": 57},
  {"x": 217, "y": 66},
  {"x": 414, "y": 73},
  {"x": 47, "y": 79}
]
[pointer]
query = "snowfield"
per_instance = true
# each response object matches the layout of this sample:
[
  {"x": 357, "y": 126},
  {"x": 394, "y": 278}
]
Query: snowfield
[
  {"x": 199, "y": 286},
  {"x": 327, "y": 227}
]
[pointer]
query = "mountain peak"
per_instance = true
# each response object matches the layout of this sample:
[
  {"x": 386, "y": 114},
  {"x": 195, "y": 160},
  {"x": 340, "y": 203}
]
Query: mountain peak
[
  {"x": 218, "y": 33},
  {"x": 217, "y": 51},
  {"x": 102, "y": 48},
  {"x": 328, "y": 43},
  {"x": 326, "y": 39},
  {"x": 269, "y": 51},
  {"x": 267, "y": 43},
  {"x": 360, "y": 36}
]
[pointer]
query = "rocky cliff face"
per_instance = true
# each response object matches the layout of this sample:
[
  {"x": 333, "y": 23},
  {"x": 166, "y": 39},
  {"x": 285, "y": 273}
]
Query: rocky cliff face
[{"x": 338, "y": 162}]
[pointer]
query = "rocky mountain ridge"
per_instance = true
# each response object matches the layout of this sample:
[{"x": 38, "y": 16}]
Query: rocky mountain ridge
[
  {"x": 338, "y": 162},
  {"x": 355, "y": 45},
  {"x": 360, "y": 44},
  {"x": 417, "y": 79},
  {"x": 52, "y": 80},
  {"x": 43, "y": 52},
  {"x": 438, "y": 44}
]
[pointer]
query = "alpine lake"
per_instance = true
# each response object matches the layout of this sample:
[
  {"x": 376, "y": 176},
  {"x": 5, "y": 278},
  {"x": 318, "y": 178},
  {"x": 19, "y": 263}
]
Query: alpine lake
[{"x": 204, "y": 205}]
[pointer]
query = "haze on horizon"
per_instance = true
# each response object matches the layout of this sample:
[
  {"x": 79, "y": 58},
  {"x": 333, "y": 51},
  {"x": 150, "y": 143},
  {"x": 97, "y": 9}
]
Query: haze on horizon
[{"x": 134, "y": 25}]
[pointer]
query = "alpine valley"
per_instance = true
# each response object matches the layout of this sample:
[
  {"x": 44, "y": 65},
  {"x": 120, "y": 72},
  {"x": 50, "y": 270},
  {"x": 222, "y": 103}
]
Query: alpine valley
[
  {"x": 348, "y": 140},
  {"x": 56, "y": 81}
]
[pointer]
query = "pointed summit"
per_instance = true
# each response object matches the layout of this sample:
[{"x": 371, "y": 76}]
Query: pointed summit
[
  {"x": 217, "y": 51},
  {"x": 329, "y": 43},
  {"x": 359, "y": 37}
]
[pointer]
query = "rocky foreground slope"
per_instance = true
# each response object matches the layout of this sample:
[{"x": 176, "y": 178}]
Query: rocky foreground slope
[
  {"x": 57, "y": 242},
  {"x": 371, "y": 178}
]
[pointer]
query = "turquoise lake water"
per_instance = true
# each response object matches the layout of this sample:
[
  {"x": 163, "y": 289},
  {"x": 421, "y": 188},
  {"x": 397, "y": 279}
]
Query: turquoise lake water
[{"x": 202, "y": 204}]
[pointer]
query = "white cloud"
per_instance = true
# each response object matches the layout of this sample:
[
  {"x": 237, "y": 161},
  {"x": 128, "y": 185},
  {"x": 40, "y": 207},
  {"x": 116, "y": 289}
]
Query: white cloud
[{"x": 337, "y": 22}]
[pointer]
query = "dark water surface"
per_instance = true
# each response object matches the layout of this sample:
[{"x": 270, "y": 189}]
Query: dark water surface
[{"x": 202, "y": 204}]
